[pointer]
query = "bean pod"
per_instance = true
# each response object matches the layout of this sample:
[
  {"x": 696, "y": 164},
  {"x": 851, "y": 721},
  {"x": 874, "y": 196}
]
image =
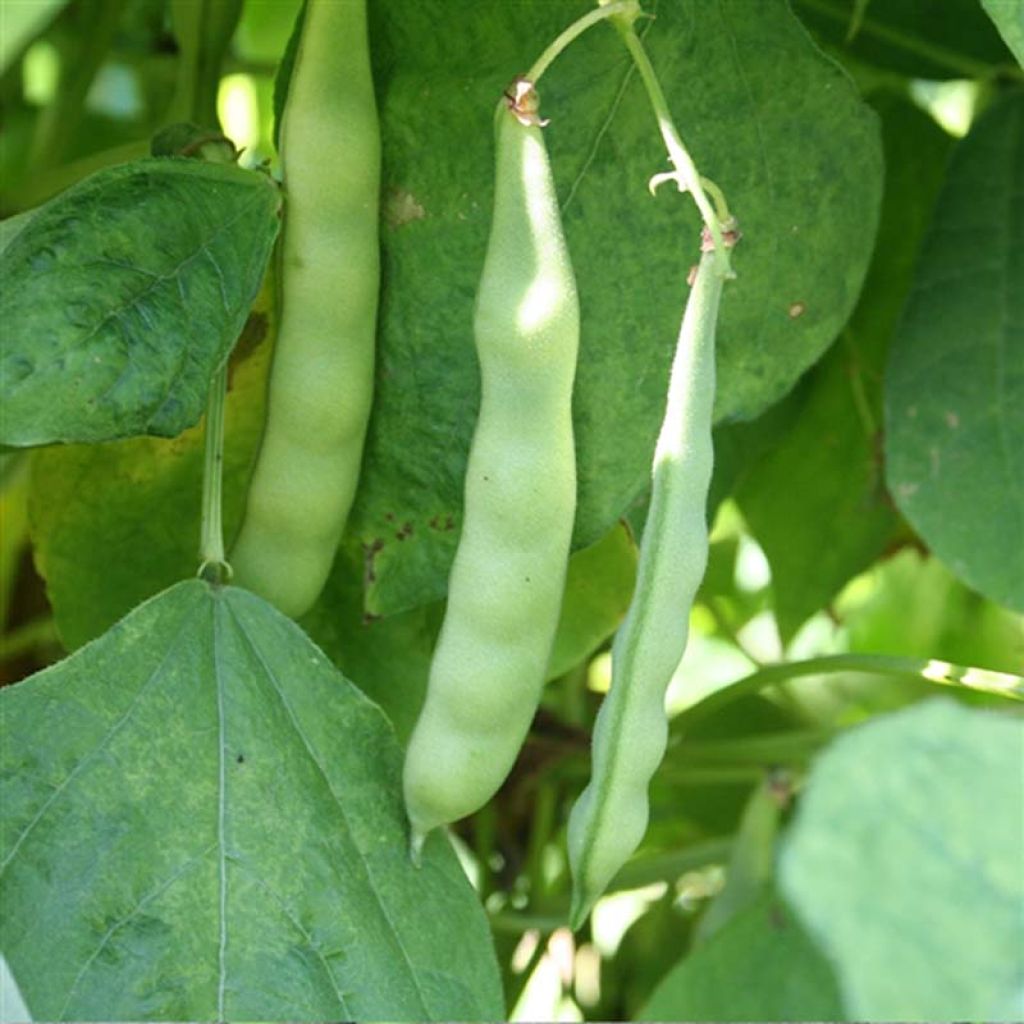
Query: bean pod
[
  {"x": 321, "y": 381},
  {"x": 610, "y": 817},
  {"x": 507, "y": 580}
]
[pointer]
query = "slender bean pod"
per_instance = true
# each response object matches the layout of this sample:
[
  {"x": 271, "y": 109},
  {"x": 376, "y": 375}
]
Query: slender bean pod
[
  {"x": 506, "y": 583},
  {"x": 321, "y": 382},
  {"x": 610, "y": 817}
]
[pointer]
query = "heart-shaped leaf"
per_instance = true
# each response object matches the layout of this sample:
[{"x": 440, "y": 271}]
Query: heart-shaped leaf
[{"x": 202, "y": 820}]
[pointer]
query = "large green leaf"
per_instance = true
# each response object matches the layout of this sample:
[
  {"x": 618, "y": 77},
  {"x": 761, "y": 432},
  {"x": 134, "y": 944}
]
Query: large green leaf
[
  {"x": 955, "y": 384},
  {"x": 122, "y": 296},
  {"x": 904, "y": 863},
  {"x": 1008, "y": 16},
  {"x": 816, "y": 502},
  {"x": 772, "y": 120},
  {"x": 920, "y": 38},
  {"x": 759, "y": 966},
  {"x": 202, "y": 820}
]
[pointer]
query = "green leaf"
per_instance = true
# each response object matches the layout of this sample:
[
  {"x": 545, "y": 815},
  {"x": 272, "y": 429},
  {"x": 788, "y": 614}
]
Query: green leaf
[
  {"x": 955, "y": 384},
  {"x": 202, "y": 820},
  {"x": 904, "y": 863},
  {"x": 759, "y": 966},
  {"x": 766, "y": 115},
  {"x": 816, "y": 503},
  {"x": 1008, "y": 16},
  {"x": 121, "y": 297},
  {"x": 933, "y": 39},
  {"x": 912, "y": 605},
  {"x": 387, "y": 658},
  {"x": 11, "y": 226},
  {"x": 114, "y": 524},
  {"x": 598, "y": 587}
]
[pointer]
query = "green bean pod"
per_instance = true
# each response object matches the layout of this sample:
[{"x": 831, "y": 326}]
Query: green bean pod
[
  {"x": 321, "y": 381},
  {"x": 507, "y": 580},
  {"x": 610, "y": 817}
]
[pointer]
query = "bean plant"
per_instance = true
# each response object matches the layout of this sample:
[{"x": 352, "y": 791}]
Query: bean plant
[{"x": 511, "y": 511}]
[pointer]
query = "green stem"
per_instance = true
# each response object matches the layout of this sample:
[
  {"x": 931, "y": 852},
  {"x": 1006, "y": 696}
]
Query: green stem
[
  {"x": 213, "y": 564},
  {"x": 933, "y": 670},
  {"x": 685, "y": 169},
  {"x": 667, "y": 867},
  {"x": 511, "y": 923},
  {"x": 856, "y": 377},
  {"x": 698, "y": 777},
  {"x": 796, "y": 746},
  {"x": 626, "y": 9}
]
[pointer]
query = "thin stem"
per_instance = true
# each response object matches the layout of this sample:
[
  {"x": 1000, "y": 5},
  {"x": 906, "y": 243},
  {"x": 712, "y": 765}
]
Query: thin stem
[
  {"x": 765, "y": 751},
  {"x": 628, "y": 9},
  {"x": 933, "y": 670},
  {"x": 213, "y": 565},
  {"x": 667, "y": 867},
  {"x": 860, "y": 399},
  {"x": 512, "y": 923},
  {"x": 685, "y": 169}
]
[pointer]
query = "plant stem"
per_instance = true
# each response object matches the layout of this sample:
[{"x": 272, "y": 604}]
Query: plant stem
[
  {"x": 933, "y": 670},
  {"x": 666, "y": 867},
  {"x": 213, "y": 566},
  {"x": 627, "y": 9},
  {"x": 764, "y": 751},
  {"x": 512, "y": 923},
  {"x": 686, "y": 174}
]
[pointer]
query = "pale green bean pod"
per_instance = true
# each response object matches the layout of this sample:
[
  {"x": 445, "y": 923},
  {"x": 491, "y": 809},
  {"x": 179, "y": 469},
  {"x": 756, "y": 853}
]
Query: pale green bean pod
[
  {"x": 321, "y": 382},
  {"x": 506, "y": 584},
  {"x": 610, "y": 817}
]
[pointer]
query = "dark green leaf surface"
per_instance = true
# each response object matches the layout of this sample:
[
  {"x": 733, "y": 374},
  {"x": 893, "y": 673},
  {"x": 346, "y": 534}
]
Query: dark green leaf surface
[
  {"x": 766, "y": 115},
  {"x": 904, "y": 863},
  {"x": 202, "y": 820},
  {"x": 11, "y": 226},
  {"x": 922, "y": 38},
  {"x": 120, "y": 298},
  {"x": 1008, "y": 16},
  {"x": 387, "y": 658},
  {"x": 759, "y": 966},
  {"x": 817, "y": 503},
  {"x": 955, "y": 384}
]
